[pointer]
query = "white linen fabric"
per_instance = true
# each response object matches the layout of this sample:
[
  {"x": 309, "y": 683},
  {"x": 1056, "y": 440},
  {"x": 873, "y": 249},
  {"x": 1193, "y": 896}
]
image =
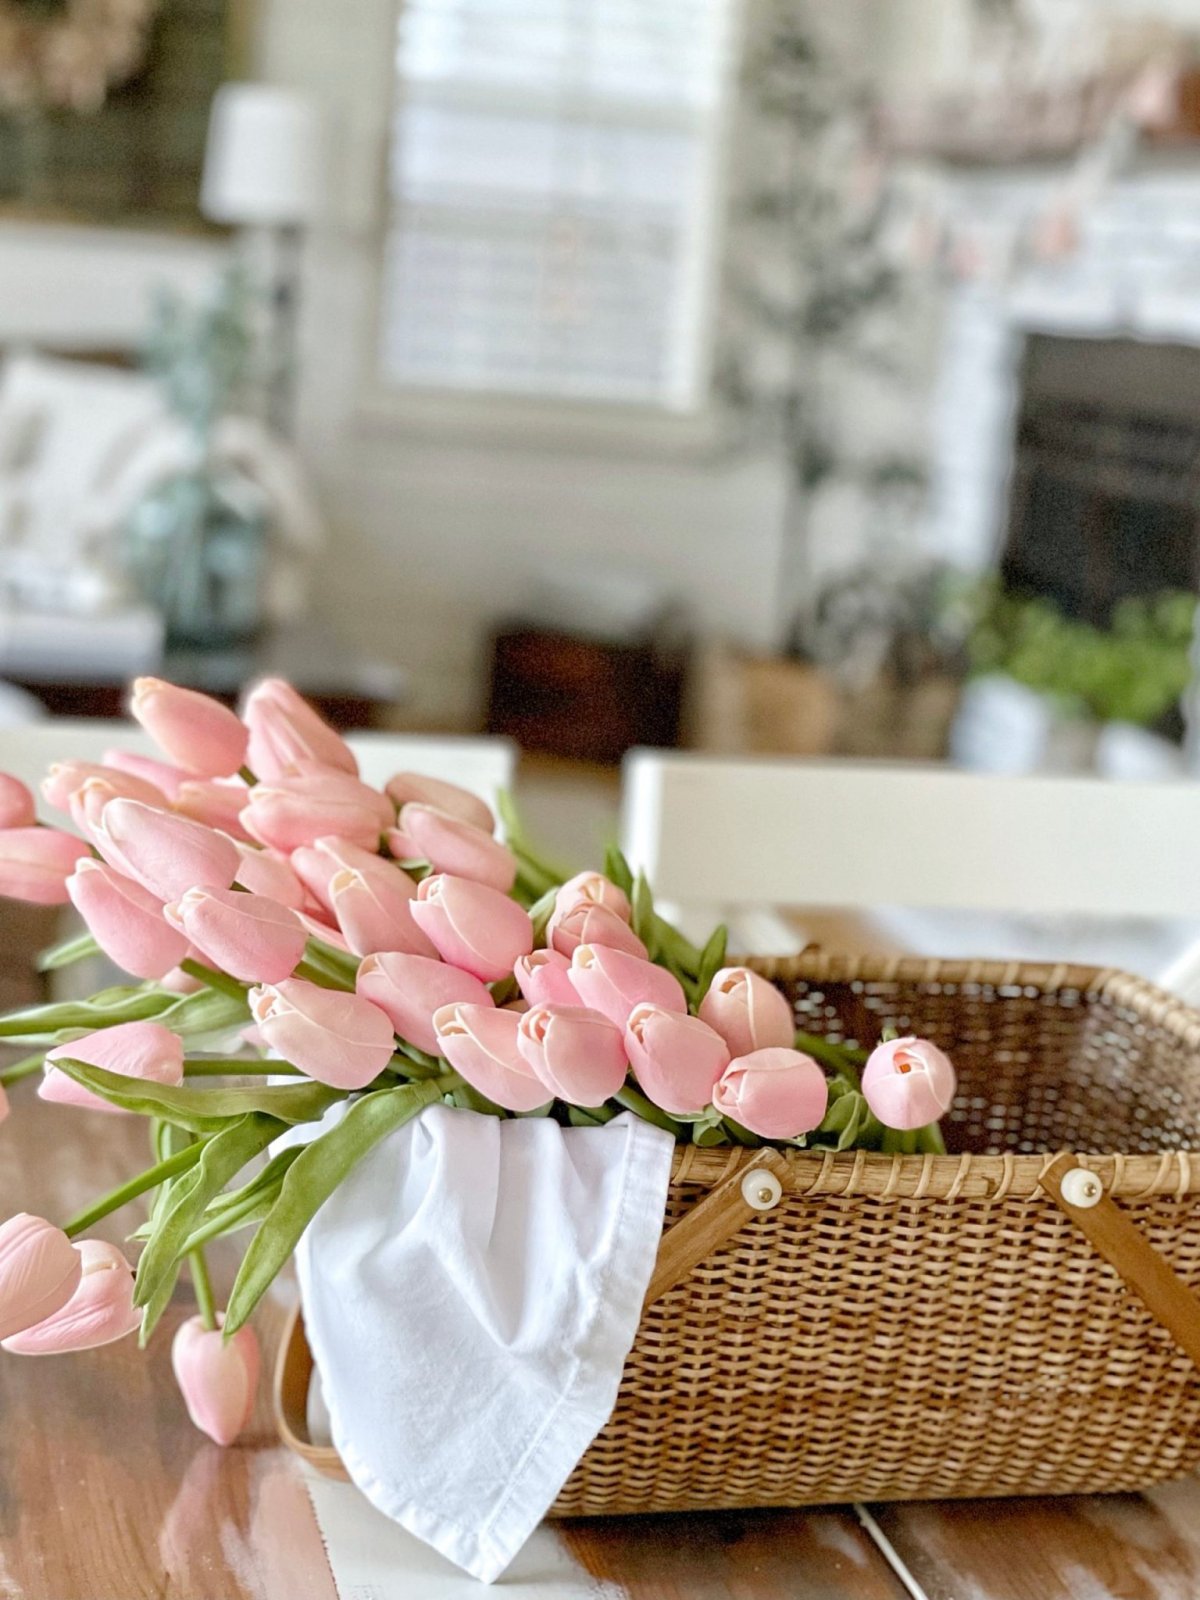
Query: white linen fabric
[{"x": 470, "y": 1295}]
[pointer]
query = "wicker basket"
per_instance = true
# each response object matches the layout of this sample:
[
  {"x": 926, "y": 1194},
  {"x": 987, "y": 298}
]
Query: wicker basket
[{"x": 923, "y": 1327}]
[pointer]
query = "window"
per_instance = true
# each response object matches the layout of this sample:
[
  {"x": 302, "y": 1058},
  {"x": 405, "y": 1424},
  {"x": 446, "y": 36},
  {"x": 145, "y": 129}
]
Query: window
[{"x": 553, "y": 179}]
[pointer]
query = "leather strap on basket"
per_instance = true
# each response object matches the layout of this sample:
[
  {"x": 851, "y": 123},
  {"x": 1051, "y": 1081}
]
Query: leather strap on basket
[
  {"x": 1123, "y": 1245},
  {"x": 709, "y": 1223}
]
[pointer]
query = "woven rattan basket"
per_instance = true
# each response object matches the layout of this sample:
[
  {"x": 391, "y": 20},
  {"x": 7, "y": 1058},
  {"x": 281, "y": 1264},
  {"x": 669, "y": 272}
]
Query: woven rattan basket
[{"x": 922, "y": 1327}]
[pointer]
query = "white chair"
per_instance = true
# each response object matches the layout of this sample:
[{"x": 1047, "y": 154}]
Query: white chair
[{"x": 1027, "y": 857}]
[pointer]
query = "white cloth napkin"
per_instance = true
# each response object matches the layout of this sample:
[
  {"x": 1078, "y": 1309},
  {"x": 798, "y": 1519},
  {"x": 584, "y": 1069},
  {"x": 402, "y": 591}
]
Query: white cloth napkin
[{"x": 470, "y": 1295}]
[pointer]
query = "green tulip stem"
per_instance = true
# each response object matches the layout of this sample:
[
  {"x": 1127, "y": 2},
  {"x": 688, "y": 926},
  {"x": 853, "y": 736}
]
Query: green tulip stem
[
  {"x": 213, "y": 979},
  {"x": 631, "y": 1100},
  {"x": 170, "y": 1167},
  {"x": 202, "y": 1284},
  {"x": 25, "y": 1068},
  {"x": 324, "y": 977},
  {"x": 237, "y": 1067}
]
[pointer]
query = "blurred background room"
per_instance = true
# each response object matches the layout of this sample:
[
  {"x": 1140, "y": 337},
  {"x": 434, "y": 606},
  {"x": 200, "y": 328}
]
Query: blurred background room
[{"x": 758, "y": 377}]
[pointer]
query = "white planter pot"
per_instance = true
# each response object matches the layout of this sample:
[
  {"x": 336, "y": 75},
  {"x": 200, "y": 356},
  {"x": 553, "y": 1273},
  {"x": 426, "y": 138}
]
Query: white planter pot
[
  {"x": 1004, "y": 727},
  {"x": 1126, "y": 751}
]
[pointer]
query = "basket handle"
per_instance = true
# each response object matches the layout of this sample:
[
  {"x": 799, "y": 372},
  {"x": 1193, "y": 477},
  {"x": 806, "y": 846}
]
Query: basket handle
[
  {"x": 1124, "y": 1246},
  {"x": 293, "y": 1374},
  {"x": 748, "y": 1191}
]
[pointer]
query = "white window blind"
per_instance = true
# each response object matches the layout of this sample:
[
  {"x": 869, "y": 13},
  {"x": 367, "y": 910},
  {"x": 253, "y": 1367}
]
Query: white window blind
[{"x": 552, "y": 188}]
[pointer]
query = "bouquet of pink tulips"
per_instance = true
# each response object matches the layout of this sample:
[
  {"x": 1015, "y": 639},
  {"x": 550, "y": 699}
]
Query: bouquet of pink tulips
[{"x": 297, "y": 939}]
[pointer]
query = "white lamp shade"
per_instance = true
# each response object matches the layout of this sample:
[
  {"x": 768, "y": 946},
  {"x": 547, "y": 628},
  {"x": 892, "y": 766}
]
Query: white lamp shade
[{"x": 263, "y": 161}]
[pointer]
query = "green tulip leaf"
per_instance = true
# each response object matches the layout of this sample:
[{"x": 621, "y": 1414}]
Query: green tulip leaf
[
  {"x": 224, "y": 1157},
  {"x": 712, "y": 959},
  {"x": 104, "y": 1010},
  {"x": 317, "y": 1171},
  {"x": 617, "y": 870},
  {"x": 205, "y": 1110},
  {"x": 66, "y": 952}
]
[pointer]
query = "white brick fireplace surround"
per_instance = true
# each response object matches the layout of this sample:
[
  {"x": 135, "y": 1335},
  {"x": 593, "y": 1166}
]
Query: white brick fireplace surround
[{"x": 1135, "y": 275}]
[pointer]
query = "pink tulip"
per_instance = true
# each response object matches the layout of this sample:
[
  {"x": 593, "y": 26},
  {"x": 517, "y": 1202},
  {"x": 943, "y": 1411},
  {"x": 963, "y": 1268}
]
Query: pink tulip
[
  {"x": 908, "y": 1083},
  {"x": 373, "y": 906},
  {"x": 246, "y": 935},
  {"x": 264, "y": 872},
  {"x": 590, "y": 889},
  {"x": 87, "y": 804},
  {"x": 285, "y": 731},
  {"x": 339, "y": 1039},
  {"x": 197, "y": 732},
  {"x": 410, "y": 989},
  {"x": 578, "y": 1054},
  {"x": 216, "y": 1376},
  {"x": 473, "y": 927},
  {"x": 318, "y": 928},
  {"x": 217, "y": 802},
  {"x": 748, "y": 1012},
  {"x": 5, "y": 1108},
  {"x": 125, "y": 920},
  {"x": 776, "y": 1093},
  {"x": 451, "y": 845},
  {"x": 676, "y": 1059},
  {"x": 613, "y": 982},
  {"x": 415, "y": 787},
  {"x": 161, "y": 774},
  {"x": 481, "y": 1043},
  {"x": 100, "y": 1311},
  {"x": 66, "y": 777},
  {"x": 588, "y": 923},
  {"x": 318, "y": 863},
  {"x": 290, "y": 812},
  {"x": 180, "y": 982},
  {"x": 144, "y": 1050},
  {"x": 39, "y": 1272},
  {"x": 166, "y": 854},
  {"x": 36, "y": 864},
  {"x": 544, "y": 979},
  {"x": 17, "y": 808}
]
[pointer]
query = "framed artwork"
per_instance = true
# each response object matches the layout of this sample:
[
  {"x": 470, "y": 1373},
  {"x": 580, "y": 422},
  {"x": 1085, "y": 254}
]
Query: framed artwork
[{"x": 104, "y": 105}]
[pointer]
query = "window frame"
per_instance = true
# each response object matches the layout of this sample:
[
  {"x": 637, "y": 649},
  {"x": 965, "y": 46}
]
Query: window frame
[{"x": 501, "y": 417}]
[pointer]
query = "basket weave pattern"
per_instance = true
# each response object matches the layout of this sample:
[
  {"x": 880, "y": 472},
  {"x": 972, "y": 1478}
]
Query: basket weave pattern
[{"x": 927, "y": 1327}]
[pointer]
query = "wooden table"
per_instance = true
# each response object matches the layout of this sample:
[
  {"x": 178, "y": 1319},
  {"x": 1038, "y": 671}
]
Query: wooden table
[{"x": 108, "y": 1493}]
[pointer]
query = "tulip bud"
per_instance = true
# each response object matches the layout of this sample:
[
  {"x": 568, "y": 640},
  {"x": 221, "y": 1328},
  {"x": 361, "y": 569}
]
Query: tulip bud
[
  {"x": 414, "y": 786},
  {"x": 197, "y": 733},
  {"x": 410, "y": 989},
  {"x": 216, "y": 1376},
  {"x": 908, "y": 1083},
  {"x": 36, "y": 864},
  {"x": 776, "y": 1093},
  {"x": 544, "y": 979},
  {"x": 590, "y": 889},
  {"x": 216, "y": 802},
  {"x": 246, "y": 935},
  {"x": 748, "y": 1012},
  {"x": 292, "y": 811},
  {"x": 338, "y": 1038},
  {"x": 17, "y": 809},
  {"x": 588, "y": 923},
  {"x": 166, "y": 854},
  {"x": 125, "y": 920},
  {"x": 39, "y": 1272},
  {"x": 676, "y": 1059},
  {"x": 160, "y": 774},
  {"x": 144, "y": 1050},
  {"x": 285, "y": 732},
  {"x": 481, "y": 1043},
  {"x": 451, "y": 845},
  {"x": 613, "y": 982},
  {"x": 473, "y": 927},
  {"x": 264, "y": 872},
  {"x": 100, "y": 1310},
  {"x": 65, "y": 778},
  {"x": 578, "y": 1054},
  {"x": 373, "y": 905}
]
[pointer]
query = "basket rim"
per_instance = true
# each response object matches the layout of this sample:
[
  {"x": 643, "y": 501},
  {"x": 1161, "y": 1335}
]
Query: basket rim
[{"x": 870, "y": 1174}]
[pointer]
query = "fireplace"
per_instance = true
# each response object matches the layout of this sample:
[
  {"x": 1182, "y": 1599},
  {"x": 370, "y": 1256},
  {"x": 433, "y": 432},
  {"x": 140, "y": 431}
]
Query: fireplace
[{"x": 1104, "y": 494}]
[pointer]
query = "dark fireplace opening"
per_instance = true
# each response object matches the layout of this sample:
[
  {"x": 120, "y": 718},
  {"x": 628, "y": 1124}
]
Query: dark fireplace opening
[{"x": 1105, "y": 495}]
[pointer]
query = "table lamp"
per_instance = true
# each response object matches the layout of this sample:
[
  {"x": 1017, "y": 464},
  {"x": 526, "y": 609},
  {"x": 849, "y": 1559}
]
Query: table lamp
[{"x": 262, "y": 173}]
